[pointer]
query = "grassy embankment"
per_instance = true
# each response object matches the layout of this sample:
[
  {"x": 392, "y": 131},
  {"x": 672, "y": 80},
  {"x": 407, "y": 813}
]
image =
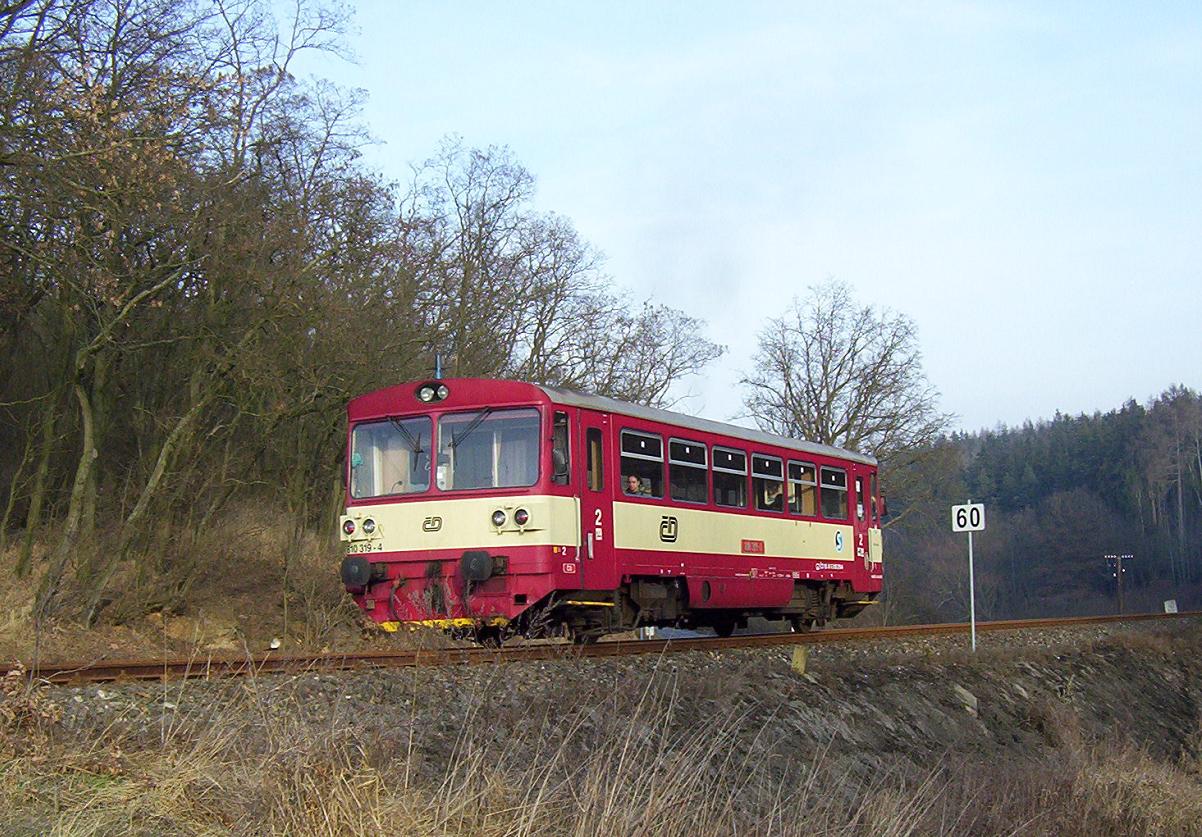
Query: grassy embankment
[{"x": 256, "y": 756}]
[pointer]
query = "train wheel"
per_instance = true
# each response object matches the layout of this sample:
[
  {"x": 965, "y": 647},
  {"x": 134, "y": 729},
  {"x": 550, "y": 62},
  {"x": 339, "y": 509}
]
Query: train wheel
[
  {"x": 583, "y": 637},
  {"x": 489, "y": 636},
  {"x": 724, "y": 628},
  {"x": 800, "y": 624}
]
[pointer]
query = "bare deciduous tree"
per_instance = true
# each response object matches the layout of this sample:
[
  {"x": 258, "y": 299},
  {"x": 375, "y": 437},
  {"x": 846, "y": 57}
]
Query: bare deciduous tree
[
  {"x": 838, "y": 373},
  {"x": 517, "y": 294},
  {"x": 196, "y": 273}
]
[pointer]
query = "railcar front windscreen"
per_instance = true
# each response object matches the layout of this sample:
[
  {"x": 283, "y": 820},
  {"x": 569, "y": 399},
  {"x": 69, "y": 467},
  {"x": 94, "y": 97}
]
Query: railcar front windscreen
[
  {"x": 488, "y": 449},
  {"x": 391, "y": 457}
]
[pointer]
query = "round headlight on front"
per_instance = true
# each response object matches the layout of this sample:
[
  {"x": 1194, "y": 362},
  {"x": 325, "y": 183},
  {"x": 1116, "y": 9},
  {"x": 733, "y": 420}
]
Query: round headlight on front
[
  {"x": 521, "y": 517},
  {"x": 426, "y": 393},
  {"x": 369, "y": 526},
  {"x": 498, "y": 518},
  {"x": 348, "y": 526},
  {"x": 442, "y": 392}
]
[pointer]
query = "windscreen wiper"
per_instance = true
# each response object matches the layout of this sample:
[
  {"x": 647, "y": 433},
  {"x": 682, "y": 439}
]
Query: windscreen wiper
[
  {"x": 458, "y": 438},
  {"x": 415, "y": 444}
]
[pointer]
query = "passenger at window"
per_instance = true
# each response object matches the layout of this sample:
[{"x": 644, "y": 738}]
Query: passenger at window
[
  {"x": 772, "y": 494},
  {"x": 634, "y": 485}
]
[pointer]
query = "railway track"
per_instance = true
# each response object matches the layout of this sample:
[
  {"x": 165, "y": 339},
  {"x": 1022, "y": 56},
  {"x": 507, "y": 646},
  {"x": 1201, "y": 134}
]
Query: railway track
[{"x": 270, "y": 663}]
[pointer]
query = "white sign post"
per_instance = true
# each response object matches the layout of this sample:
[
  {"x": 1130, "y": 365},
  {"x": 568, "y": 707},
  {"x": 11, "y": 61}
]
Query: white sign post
[{"x": 970, "y": 518}]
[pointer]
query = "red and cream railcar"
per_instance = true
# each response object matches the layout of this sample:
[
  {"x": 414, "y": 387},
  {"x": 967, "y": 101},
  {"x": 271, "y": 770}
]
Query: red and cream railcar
[{"x": 499, "y": 505}]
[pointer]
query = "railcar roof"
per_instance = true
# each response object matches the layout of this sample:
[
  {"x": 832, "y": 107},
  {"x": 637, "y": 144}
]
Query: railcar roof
[{"x": 613, "y": 405}]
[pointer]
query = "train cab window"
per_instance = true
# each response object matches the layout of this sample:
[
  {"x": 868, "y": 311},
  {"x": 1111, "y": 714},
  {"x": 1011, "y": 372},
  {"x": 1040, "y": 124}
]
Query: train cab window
[
  {"x": 561, "y": 460},
  {"x": 595, "y": 476},
  {"x": 686, "y": 470},
  {"x": 642, "y": 464},
  {"x": 391, "y": 457},
  {"x": 488, "y": 449},
  {"x": 861, "y": 506},
  {"x": 803, "y": 489},
  {"x": 834, "y": 493},
  {"x": 730, "y": 478},
  {"x": 768, "y": 482}
]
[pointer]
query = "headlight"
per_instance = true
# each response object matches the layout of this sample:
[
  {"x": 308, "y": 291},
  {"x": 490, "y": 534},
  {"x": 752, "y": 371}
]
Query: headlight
[
  {"x": 426, "y": 393},
  {"x": 369, "y": 526},
  {"x": 498, "y": 518},
  {"x": 521, "y": 517},
  {"x": 348, "y": 526},
  {"x": 442, "y": 392}
]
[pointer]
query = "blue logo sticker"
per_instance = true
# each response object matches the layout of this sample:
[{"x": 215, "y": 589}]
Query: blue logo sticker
[{"x": 838, "y": 542}]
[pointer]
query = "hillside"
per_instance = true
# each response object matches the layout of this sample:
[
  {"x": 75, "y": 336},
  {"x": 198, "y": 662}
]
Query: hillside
[{"x": 1082, "y": 732}]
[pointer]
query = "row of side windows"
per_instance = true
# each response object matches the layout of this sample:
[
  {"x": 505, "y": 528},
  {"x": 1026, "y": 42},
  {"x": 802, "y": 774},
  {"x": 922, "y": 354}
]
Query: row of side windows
[{"x": 776, "y": 485}]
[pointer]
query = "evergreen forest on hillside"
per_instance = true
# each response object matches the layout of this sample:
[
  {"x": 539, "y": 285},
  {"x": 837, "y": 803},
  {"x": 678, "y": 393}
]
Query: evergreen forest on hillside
[{"x": 1060, "y": 495}]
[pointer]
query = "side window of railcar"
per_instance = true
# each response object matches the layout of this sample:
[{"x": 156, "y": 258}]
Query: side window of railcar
[
  {"x": 768, "y": 482},
  {"x": 642, "y": 464},
  {"x": 876, "y": 518},
  {"x": 686, "y": 470},
  {"x": 834, "y": 493},
  {"x": 803, "y": 489},
  {"x": 730, "y": 478},
  {"x": 561, "y": 458},
  {"x": 594, "y": 459}
]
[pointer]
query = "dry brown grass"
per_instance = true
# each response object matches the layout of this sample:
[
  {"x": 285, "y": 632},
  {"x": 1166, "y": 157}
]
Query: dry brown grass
[
  {"x": 238, "y": 585},
  {"x": 1127, "y": 791},
  {"x": 250, "y": 757},
  {"x": 1159, "y": 643},
  {"x": 250, "y": 764}
]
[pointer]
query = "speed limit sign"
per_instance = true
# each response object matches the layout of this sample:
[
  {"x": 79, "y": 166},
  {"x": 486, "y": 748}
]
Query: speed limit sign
[{"x": 968, "y": 518}]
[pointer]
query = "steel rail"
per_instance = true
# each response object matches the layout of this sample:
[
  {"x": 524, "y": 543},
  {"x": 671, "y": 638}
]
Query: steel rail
[{"x": 100, "y": 671}]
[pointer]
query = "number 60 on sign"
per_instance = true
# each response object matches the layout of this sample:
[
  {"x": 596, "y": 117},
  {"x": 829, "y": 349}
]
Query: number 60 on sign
[{"x": 968, "y": 518}]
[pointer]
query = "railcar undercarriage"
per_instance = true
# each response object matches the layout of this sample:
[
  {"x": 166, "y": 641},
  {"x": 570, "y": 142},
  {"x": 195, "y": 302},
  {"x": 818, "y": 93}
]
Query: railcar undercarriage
[{"x": 586, "y": 616}]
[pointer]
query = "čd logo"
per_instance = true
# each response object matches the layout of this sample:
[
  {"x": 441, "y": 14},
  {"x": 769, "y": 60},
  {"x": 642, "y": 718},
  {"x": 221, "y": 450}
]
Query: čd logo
[{"x": 667, "y": 529}]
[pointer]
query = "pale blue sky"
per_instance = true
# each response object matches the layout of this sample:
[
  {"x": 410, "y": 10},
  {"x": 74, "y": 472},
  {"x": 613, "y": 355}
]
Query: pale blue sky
[{"x": 1023, "y": 180}]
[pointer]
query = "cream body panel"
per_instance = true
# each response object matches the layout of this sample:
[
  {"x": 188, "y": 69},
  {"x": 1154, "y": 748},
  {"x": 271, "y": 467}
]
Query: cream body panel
[
  {"x": 876, "y": 550},
  {"x": 637, "y": 526},
  {"x": 464, "y": 523}
]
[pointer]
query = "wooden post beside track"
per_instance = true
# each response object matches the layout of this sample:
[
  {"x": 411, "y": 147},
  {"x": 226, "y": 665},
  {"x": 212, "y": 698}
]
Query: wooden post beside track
[{"x": 801, "y": 655}]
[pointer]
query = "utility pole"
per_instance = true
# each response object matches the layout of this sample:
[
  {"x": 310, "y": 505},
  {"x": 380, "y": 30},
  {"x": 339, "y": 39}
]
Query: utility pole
[{"x": 1118, "y": 569}]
